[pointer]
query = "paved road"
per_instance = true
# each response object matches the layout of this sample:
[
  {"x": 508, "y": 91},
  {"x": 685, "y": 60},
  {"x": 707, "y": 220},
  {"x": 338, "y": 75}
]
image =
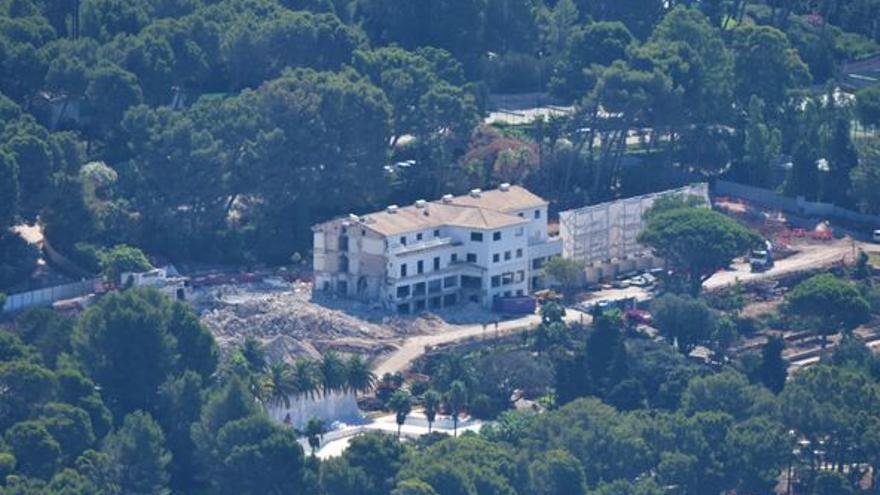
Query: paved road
[
  {"x": 414, "y": 347},
  {"x": 811, "y": 256}
]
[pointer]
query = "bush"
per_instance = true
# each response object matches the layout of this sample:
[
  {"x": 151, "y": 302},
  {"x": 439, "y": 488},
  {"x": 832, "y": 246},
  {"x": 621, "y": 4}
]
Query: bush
[
  {"x": 483, "y": 407},
  {"x": 122, "y": 259},
  {"x": 86, "y": 256}
]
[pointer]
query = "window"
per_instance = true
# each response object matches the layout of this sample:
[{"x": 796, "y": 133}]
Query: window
[
  {"x": 537, "y": 214},
  {"x": 521, "y": 214},
  {"x": 403, "y": 291},
  {"x": 519, "y": 253},
  {"x": 419, "y": 289},
  {"x": 403, "y": 270},
  {"x": 420, "y": 266},
  {"x": 496, "y": 236},
  {"x": 519, "y": 292},
  {"x": 453, "y": 258},
  {"x": 363, "y": 232},
  {"x": 403, "y": 308},
  {"x": 449, "y": 300},
  {"x": 537, "y": 263},
  {"x": 477, "y": 236},
  {"x": 506, "y": 255},
  {"x": 419, "y": 236},
  {"x": 507, "y": 293},
  {"x": 419, "y": 305},
  {"x": 520, "y": 276},
  {"x": 496, "y": 258},
  {"x": 435, "y": 286},
  {"x": 436, "y": 263},
  {"x": 471, "y": 258},
  {"x": 403, "y": 241},
  {"x": 436, "y": 233},
  {"x": 496, "y": 281},
  {"x": 506, "y": 278},
  {"x": 519, "y": 231},
  {"x": 450, "y": 282}
]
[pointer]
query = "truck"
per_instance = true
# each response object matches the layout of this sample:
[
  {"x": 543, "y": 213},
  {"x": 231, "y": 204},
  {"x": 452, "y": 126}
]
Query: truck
[
  {"x": 518, "y": 305},
  {"x": 761, "y": 260}
]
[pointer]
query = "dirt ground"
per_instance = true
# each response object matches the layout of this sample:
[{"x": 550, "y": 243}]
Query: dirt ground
[{"x": 292, "y": 323}]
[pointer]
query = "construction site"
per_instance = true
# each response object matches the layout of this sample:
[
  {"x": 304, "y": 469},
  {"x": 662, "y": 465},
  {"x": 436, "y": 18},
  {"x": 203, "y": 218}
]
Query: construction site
[
  {"x": 284, "y": 314},
  {"x": 292, "y": 322}
]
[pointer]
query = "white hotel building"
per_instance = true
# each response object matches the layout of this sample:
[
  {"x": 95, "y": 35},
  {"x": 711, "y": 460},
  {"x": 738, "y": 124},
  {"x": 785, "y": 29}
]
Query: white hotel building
[{"x": 431, "y": 255}]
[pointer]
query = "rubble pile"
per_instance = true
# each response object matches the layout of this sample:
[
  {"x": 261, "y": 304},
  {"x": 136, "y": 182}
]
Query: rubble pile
[{"x": 291, "y": 323}]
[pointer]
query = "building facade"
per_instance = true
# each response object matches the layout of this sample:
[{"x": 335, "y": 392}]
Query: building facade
[{"x": 435, "y": 254}]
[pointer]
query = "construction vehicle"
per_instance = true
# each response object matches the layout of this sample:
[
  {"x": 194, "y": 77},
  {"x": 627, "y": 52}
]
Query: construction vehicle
[{"x": 761, "y": 260}]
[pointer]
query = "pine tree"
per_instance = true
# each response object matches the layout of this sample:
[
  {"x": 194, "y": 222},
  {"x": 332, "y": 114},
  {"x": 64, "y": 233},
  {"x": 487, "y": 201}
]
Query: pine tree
[
  {"x": 773, "y": 369},
  {"x": 803, "y": 179},
  {"x": 137, "y": 452}
]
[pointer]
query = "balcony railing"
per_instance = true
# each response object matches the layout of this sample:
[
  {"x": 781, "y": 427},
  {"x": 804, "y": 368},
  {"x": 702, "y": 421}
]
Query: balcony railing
[{"x": 437, "y": 242}]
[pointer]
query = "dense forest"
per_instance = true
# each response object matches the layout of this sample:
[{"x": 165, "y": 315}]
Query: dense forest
[
  {"x": 132, "y": 397},
  {"x": 219, "y": 131}
]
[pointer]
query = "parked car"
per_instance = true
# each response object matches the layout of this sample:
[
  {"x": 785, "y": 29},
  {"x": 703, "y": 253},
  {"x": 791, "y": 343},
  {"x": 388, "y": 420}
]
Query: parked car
[{"x": 638, "y": 316}]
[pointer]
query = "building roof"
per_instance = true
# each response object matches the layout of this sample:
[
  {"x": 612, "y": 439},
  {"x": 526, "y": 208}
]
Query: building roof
[
  {"x": 513, "y": 199},
  {"x": 486, "y": 210}
]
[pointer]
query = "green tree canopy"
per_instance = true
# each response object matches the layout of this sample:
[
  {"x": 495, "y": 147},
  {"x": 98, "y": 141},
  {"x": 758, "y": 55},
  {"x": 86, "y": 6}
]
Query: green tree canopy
[
  {"x": 868, "y": 105},
  {"x": 121, "y": 259},
  {"x": 828, "y": 302},
  {"x": 683, "y": 320},
  {"x": 697, "y": 242},
  {"x": 137, "y": 448}
]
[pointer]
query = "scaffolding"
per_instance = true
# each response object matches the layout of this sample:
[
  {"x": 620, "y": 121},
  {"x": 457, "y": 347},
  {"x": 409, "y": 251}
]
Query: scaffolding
[{"x": 609, "y": 231}]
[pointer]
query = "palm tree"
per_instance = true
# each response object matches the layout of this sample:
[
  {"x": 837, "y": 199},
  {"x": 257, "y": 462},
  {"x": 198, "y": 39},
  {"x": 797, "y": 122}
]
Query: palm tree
[
  {"x": 334, "y": 373},
  {"x": 315, "y": 430},
  {"x": 431, "y": 400},
  {"x": 276, "y": 385},
  {"x": 306, "y": 377},
  {"x": 360, "y": 378},
  {"x": 455, "y": 401},
  {"x": 401, "y": 404},
  {"x": 454, "y": 367}
]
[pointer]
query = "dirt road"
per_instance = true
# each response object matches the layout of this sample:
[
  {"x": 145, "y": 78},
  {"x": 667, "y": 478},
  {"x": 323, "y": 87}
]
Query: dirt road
[{"x": 810, "y": 257}]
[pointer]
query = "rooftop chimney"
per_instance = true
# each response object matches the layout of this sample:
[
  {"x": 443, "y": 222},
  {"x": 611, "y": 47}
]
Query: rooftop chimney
[
  {"x": 447, "y": 198},
  {"x": 421, "y": 203},
  {"x": 504, "y": 186},
  {"x": 475, "y": 193},
  {"x": 392, "y": 209}
]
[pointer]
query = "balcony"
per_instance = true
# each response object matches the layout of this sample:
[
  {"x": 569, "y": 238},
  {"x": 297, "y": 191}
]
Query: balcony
[{"x": 435, "y": 243}]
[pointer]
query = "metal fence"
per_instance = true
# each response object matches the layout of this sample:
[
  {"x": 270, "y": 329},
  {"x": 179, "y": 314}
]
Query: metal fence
[{"x": 47, "y": 296}]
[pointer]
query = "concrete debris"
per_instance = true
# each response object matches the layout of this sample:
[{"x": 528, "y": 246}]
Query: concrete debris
[{"x": 292, "y": 323}]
